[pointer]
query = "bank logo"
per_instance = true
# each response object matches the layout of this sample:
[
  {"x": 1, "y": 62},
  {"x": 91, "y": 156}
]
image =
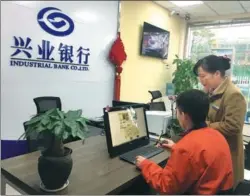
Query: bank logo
[{"x": 54, "y": 22}]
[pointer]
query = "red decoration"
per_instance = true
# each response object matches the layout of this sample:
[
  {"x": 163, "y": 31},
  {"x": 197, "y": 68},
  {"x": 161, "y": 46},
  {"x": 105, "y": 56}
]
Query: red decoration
[{"x": 117, "y": 55}]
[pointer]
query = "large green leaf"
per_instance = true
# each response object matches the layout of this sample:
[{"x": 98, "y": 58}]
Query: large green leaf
[
  {"x": 34, "y": 120},
  {"x": 45, "y": 121},
  {"x": 73, "y": 114},
  {"x": 41, "y": 128},
  {"x": 81, "y": 134},
  {"x": 71, "y": 126},
  {"x": 53, "y": 124},
  {"x": 65, "y": 135},
  {"x": 58, "y": 130}
]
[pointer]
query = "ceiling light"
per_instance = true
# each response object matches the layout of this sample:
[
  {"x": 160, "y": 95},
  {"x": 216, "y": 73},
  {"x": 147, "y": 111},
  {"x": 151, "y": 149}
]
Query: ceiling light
[{"x": 186, "y": 3}]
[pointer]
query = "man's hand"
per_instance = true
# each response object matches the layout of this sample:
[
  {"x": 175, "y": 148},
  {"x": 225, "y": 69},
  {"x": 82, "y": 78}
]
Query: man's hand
[
  {"x": 139, "y": 160},
  {"x": 166, "y": 143}
]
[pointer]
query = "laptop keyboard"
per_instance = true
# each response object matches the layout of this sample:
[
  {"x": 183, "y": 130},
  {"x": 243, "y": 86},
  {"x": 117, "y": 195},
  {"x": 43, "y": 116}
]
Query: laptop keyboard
[{"x": 145, "y": 151}]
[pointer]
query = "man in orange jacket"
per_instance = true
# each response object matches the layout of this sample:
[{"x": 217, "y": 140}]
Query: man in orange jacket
[{"x": 200, "y": 163}]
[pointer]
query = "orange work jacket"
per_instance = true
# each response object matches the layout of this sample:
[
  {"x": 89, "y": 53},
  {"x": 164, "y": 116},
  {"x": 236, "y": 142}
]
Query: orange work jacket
[{"x": 200, "y": 163}]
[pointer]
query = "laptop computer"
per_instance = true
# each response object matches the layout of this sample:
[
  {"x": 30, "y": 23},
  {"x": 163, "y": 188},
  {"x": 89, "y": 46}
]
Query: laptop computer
[{"x": 127, "y": 133}]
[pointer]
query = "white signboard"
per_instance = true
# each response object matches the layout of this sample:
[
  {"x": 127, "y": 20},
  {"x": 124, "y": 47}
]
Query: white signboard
[{"x": 55, "y": 48}]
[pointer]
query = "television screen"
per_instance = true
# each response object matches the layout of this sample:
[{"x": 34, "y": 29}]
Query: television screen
[{"x": 155, "y": 41}]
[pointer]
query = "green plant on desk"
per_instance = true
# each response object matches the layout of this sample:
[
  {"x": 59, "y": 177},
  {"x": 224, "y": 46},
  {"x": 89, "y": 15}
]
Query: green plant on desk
[{"x": 55, "y": 126}]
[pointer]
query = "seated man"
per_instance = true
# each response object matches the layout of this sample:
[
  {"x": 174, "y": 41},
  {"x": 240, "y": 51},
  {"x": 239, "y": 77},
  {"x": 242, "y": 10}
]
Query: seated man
[{"x": 200, "y": 163}]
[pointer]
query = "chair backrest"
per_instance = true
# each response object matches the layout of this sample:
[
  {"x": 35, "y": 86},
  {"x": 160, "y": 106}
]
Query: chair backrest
[
  {"x": 155, "y": 95},
  {"x": 44, "y": 104},
  {"x": 243, "y": 188},
  {"x": 157, "y": 106}
]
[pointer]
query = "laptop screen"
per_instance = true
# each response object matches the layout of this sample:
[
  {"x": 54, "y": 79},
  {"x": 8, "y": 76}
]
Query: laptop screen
[{"x": 127, "y": 126}]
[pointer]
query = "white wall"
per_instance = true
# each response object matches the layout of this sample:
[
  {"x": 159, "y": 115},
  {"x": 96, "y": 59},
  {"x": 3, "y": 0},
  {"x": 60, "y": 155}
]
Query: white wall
[{"x": 95, "y": 27}]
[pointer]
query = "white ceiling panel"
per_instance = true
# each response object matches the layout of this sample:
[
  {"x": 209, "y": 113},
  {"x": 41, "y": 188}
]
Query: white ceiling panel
[
  {"x": 172, "y": 7},
  {"x": 209, "y": 8},
  {"x": 166, "y": 4},
  {"x": 199, "y": 10},
  {"x": 225, "y": 7},
  {"x": 202, "y": 14},
  {"x": 246, "y": 4}
]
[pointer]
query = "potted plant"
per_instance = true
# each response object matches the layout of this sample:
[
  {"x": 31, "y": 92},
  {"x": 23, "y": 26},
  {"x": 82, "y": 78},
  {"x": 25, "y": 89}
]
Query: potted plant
[
  {"x": 54, "y": 127},
  {"x": 184, "y": 79}
]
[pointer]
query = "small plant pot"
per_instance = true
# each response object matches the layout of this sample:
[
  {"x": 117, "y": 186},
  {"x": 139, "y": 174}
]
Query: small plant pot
[{"x": 54, "y": 171}]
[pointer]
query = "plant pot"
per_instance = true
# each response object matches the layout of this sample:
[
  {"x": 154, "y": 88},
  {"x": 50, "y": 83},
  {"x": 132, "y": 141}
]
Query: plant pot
[{"x": 54, "y": 171}]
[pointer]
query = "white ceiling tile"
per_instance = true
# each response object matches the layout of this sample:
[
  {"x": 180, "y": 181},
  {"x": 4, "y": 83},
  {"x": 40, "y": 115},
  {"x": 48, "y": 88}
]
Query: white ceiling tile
[
  {"x": 165, "y": 4},
  {"x": 246, "y": 4},
  {"x": 225, "y": 7},
  {"x": 229, "y": 12},
  {"x": 202, "y": 14},
  {"x": 222, "y": 4},
  {"x": 203, "y": 10},
  {"x": 199, "y": 10},
  {"x": 196, "y": 8}
]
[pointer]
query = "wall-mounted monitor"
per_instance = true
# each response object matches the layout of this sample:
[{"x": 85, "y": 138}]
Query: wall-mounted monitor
[{"x": 155, "y": 41}]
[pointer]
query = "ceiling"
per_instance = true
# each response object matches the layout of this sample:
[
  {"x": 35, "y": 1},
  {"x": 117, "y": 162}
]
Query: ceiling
[{"x": 209, "y": 9}]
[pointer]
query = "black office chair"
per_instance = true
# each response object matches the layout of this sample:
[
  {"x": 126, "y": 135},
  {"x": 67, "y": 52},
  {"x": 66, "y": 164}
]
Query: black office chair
[
  {"x": 44, "y": 104},
  {"x": 155, "y": 95},
  {"x": 243, "y": 188},
  {"x": 156, "y": 106}
]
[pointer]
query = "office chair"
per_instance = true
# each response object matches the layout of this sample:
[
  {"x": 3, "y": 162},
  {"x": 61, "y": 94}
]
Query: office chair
[
  {"x": 44, "y": 104},
  {"x": 156, "y": 106},
  {"x": 243, "y": 188},
  {"x": 155, "y": 95}
]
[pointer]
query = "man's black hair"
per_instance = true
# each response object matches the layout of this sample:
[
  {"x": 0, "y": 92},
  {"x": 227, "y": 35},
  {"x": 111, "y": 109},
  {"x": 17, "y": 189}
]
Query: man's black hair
[{"x": 195, "y": 103}]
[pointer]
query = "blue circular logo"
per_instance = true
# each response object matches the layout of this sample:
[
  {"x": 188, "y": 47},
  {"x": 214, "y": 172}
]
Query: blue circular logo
[{"x": 54, "y": 22}]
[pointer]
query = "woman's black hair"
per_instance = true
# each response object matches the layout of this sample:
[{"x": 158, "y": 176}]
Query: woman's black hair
[{"x": 213, "y": 63}]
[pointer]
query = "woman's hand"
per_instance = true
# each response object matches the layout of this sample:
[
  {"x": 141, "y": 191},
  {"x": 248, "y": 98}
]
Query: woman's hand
[{"x": 166, "y": 143}]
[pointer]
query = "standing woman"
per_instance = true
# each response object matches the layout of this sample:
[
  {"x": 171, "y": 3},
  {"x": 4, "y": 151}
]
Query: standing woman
[{"x": 227, "y": 107}]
